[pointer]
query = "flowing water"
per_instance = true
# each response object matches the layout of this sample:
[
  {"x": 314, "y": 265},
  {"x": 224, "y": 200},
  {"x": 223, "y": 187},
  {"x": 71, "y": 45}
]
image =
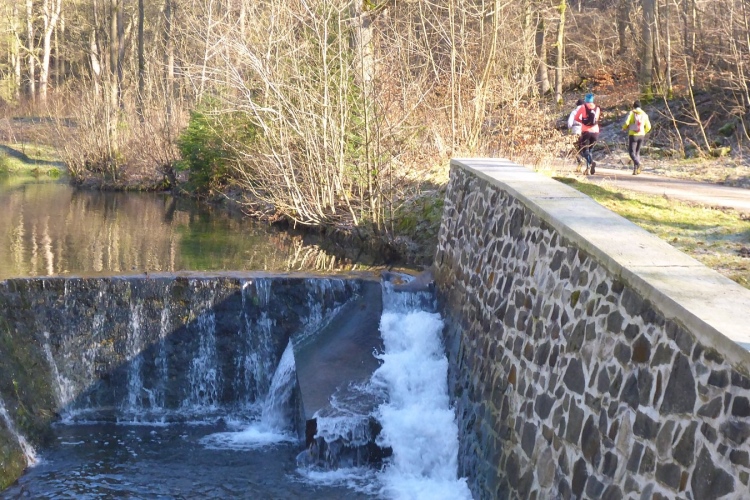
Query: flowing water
[{"x": 28, "y": 451}]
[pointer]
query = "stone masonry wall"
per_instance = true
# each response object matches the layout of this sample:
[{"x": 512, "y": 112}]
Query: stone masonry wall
[{"x": 567, "y": 382}]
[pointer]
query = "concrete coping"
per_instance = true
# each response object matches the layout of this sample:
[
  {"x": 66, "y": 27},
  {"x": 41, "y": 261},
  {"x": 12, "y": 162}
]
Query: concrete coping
[
  {"x": 715, "y": 309},
  {"x": 367, "y": 275}
]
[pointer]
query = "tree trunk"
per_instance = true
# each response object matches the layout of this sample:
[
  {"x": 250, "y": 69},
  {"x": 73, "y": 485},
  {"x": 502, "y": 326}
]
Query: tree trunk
[
  {"x": 541, "y": 53},
  {"x": 120, "y": 49},
  {"x": 560, "y": 46},
  {"x": 141, "y": 61},
  {"x": 689, "y": 18},
  {"x": 59, "y": 63},
  {"x": 30, "y": 50},
  {"x": 114, "y": 89},
  {"x": 15, "y": 52},
  {"x": 113, "y": 52},
  {"x": 656, "y": 43},
  {"x": 95, "y": 61},
  {"x": 647, "y": 50},
  {"x": 168, "y": 58},
  {"x": 50, "y": 15},
  {"x": 668, "y": 53},
  {"x": 624, "y": 8}
]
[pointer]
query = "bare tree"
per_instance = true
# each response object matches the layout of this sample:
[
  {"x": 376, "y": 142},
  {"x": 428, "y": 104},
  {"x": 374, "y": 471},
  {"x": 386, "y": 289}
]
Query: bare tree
[
  {"x": 141, "y": 60},
  {"x": 541, "y": 53},
  {"x": 647, "y": 49},
  {"x": 30, "y": 49},
  {"x": 50, "y": 14},
  {"x": 559, "y": 50},
  {"x": 15, "y": 50}
]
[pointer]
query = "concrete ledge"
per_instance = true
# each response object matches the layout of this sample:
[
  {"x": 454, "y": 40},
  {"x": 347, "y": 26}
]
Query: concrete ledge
[{"x": 713, "y": 308}]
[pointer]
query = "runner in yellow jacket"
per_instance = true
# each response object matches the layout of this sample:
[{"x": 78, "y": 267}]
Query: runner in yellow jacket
[{"x": 638, "y": 125}]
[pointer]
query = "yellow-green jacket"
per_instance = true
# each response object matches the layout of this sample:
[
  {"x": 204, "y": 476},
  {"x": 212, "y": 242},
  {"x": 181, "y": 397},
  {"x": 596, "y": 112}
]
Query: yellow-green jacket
[{"x": 635, "y": 117}]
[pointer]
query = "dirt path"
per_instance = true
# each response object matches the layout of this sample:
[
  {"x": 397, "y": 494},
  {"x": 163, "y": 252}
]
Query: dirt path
[{"x": 712, "y": 195}]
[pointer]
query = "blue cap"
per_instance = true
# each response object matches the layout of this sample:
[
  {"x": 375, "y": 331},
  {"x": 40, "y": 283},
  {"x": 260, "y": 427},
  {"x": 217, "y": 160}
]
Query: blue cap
[{"x": 589, "y": 97}]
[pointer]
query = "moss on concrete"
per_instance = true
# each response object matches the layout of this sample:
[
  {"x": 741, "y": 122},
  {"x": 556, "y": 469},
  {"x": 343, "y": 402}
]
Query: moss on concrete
[
  {"x": 12, "y": 461},
  {"x": 28, "y": 397}
]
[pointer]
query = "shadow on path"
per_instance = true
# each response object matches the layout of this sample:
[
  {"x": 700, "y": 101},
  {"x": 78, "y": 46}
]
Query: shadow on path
[{"x": 19, "y": 155}]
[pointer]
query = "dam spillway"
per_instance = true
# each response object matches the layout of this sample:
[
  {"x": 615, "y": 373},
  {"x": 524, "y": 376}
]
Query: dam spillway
[{"x": 186, "y": 366}]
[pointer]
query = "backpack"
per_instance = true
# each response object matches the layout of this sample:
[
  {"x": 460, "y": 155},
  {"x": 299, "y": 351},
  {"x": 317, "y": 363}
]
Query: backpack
[
  {"x": 637, "y": 125},
  {"x": 590, "y": 117}
]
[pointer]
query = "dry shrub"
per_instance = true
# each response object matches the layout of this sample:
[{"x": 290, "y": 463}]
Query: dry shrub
[{"x": 119, "y": 149}]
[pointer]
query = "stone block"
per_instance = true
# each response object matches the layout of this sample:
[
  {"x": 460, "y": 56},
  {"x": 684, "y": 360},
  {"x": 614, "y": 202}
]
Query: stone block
[
  {"x": 741, "y": 407},
  {"x": 708, "y": 481},
  {"x": 528, "y": 438},
  {"x": 594, "y": 487},
  {"x": 645, "y": 427},
  {"x": 648, "y": 461},
  {"x": 712, "y": 409},
  {"x": 669, "y": 475},
  {"x": 718, "y": 378},
  {"x": 641, "y": 350},
  {"x": 634, "y": 462},
  {"x": 612, "y": 492},
  {"x": 737, "y": 432},
  {"x": 680, "y": 394},
  {"x": 630, "y": 392},
  {"x": 591, "y": 442},
  {"x": 543, "y": 405},
  {"x": 575, "y": 423},
  {"x": 580, "y": 477},
  {"x": 574, "y": 378}
]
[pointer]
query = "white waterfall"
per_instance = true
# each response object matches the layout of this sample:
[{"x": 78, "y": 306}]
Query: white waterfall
[
  {"x": 204, "y": 374},
  {"x": 254, "y": 359},
  {"x": 275, "y": 420},
  {"x": 64, "y": 388},
  {"x": 418, "y": 422},
  {"x": 276, "y": 410},
  {"x": 133, "y": 348}
]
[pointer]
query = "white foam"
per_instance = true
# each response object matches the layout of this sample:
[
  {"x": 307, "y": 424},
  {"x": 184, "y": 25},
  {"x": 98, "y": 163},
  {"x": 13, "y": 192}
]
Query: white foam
[
  {"x": 418, "y": 423},
  {"x": 360, "y": 479},
  {"x": 257, "y": 435}
]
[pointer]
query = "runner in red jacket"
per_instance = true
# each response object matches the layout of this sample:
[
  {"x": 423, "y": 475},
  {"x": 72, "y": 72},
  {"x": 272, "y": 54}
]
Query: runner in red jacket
[{"x": 588, "y": 116}]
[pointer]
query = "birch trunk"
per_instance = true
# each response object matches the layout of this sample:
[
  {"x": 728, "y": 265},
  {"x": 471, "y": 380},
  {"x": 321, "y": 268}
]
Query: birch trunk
[
  {"x": 30, "y": 50},
  {"x": 50, "y": 15}
]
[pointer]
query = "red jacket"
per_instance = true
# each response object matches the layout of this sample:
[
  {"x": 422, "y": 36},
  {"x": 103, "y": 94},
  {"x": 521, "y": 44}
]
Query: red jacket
[{"x": 581, "y": 112}]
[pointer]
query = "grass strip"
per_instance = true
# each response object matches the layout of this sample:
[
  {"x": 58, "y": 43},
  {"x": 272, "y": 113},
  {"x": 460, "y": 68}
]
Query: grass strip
[{"x": 720, "y": 239}]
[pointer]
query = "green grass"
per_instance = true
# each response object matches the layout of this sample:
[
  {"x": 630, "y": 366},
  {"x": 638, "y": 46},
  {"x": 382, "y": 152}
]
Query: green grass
[
  {"x": 719, "y": 239},
  {"x": 30, "y": 160}
]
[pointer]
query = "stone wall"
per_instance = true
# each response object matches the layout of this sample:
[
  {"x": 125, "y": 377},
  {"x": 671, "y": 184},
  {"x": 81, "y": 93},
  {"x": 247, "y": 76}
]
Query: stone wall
[{"x": 588, "y": 358}]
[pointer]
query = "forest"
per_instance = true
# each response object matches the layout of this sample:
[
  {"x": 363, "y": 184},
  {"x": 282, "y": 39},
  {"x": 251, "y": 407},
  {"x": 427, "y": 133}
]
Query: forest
[{"x": 344, "y": 113}]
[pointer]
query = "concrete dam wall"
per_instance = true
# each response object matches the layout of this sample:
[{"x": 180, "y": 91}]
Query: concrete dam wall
[{"x": 588, "y": 359}]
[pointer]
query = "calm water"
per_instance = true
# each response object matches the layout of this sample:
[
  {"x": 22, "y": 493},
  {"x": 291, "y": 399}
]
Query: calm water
[{"x": 52, "y": 229}]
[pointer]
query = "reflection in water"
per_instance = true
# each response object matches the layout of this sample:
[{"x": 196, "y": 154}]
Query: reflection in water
[{"x": 53, "y": 229}]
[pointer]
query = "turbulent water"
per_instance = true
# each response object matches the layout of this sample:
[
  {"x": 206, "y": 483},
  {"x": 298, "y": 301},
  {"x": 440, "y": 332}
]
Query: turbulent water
[{"x": 418, "y": 423}]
